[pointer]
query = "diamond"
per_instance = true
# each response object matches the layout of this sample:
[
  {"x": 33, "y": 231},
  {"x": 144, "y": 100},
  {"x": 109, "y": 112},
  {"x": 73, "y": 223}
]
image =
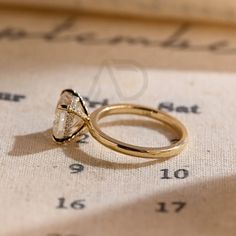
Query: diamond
[
  {"x": 59, "y": 124},
  {"x": 67, "y": 124}
]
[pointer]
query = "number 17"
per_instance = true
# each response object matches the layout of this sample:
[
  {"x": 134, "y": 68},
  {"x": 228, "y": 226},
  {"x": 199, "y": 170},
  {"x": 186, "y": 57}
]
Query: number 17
[{"x": 162, "y": 206}]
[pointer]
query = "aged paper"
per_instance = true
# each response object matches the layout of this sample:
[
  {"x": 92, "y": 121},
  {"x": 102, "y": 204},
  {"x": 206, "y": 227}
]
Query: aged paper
[
  {"x": 216, "y": 11},
  {"x": 86, "y": 189}
]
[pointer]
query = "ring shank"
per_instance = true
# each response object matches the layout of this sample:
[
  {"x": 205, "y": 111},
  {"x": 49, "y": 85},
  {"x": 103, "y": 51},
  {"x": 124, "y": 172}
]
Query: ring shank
[{"x": 138, "y": 151}]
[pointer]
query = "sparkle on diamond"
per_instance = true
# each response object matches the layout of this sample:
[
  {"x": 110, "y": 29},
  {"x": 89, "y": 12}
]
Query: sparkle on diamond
[{"x": 66, "y": 124}]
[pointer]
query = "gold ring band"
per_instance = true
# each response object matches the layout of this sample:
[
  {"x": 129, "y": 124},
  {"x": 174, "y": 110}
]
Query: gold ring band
[
  {"x": 144, "y": 152},
  {"x": 73, "y": 118}
]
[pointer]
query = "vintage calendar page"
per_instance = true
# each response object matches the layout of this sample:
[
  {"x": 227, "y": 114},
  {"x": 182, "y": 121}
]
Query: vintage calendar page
[{"x": 85, "y": 189}]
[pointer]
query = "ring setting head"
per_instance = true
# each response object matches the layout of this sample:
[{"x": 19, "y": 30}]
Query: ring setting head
[{"x": 70, "y": 116}]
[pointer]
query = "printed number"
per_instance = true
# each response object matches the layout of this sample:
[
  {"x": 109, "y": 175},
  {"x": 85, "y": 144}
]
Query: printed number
[
  {"x": 178, "y": 174},
  {"x": 83, "y": 138},
  {"x": 76, "y": 205},
  {"x": 76, "y": 168},
  {"x": 163, "y": 207}
]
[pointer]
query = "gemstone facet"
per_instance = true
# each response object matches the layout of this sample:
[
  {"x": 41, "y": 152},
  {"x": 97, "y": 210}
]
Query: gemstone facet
[{"x": 67, "y": 124}]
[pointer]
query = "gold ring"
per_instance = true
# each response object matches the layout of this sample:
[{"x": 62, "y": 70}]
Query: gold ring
[{"x": 72, "y": 118}]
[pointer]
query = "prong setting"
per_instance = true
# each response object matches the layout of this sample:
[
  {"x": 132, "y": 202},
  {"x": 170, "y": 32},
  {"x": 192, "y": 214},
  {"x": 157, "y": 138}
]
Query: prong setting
[{"x": 71, "y": 116}]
